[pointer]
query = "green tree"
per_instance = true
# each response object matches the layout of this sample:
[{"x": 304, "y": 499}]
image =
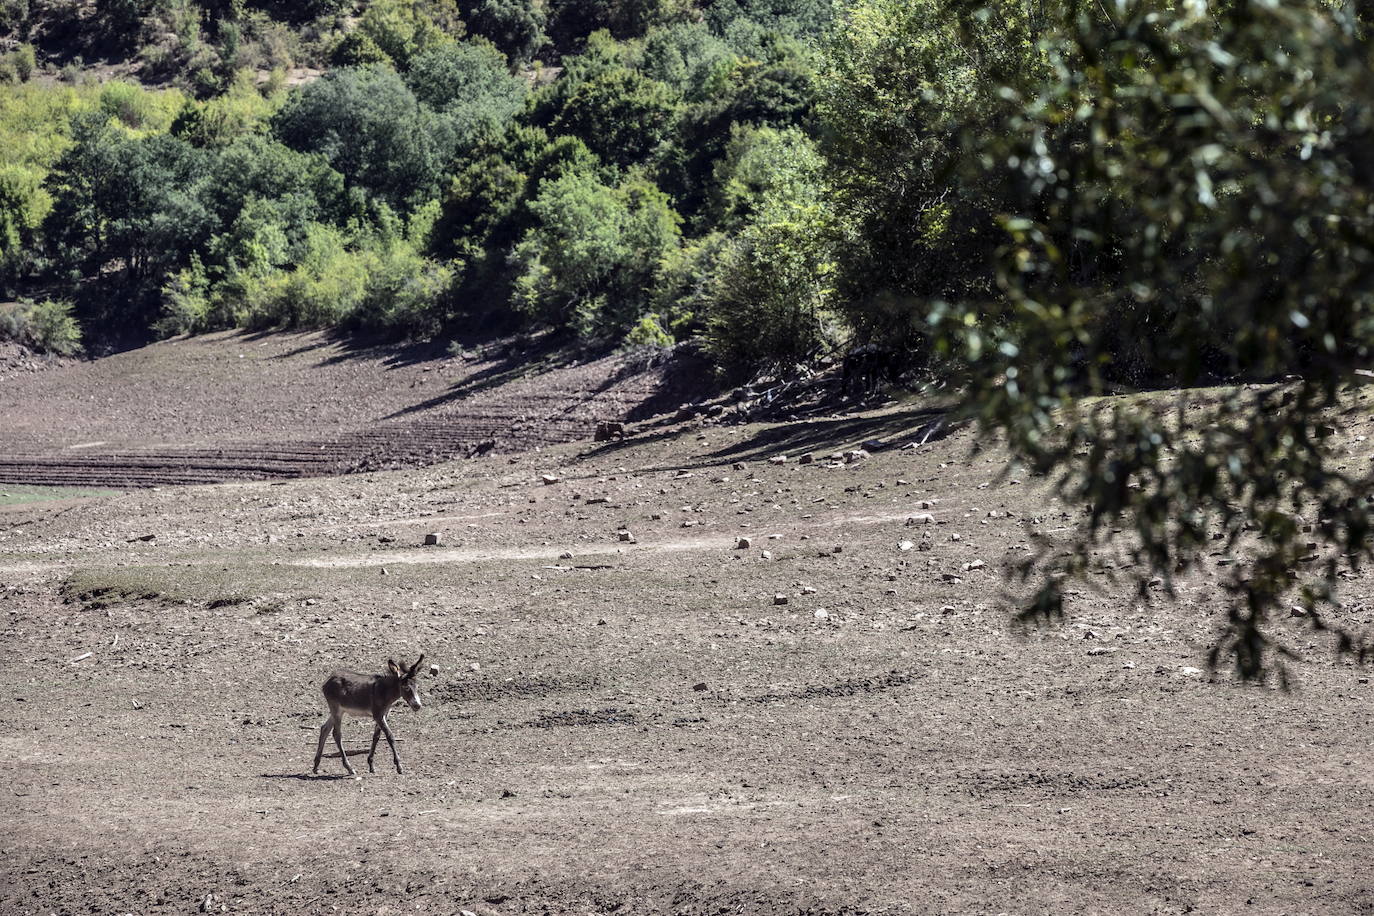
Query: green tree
[
  {"x": 769, "y": 302},
  {"x": 516, "y": 27},
  {"x": 126, "y": 210},
  {"x": 371, "y": 128},
  {"x": 592, "y": 260},
  {"x": 621, "y": 115},
  {"x": 469, "y": 84},
  {"x": 1194, "y": 185},
  {"x": 902, "y": 79},
  {"x": 401, "y": 30}
]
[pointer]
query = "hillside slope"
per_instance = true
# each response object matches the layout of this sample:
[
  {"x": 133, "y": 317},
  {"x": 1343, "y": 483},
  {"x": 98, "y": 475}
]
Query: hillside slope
[{"x": 237, "y": 406}]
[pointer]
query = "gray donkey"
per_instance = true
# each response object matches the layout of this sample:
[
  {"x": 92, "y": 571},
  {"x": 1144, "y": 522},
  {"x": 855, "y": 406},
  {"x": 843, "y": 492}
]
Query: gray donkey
[{"x": 367, "y": 695}]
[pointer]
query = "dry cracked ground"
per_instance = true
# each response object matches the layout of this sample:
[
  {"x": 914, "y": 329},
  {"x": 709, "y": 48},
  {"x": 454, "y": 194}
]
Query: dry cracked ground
[{"x": 636, "y": 723}]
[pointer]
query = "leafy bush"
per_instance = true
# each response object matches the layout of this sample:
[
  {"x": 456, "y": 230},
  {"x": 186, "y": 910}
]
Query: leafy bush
[
  {"x": 592, "y": 260},
  {"x": 47, "y": 326}
]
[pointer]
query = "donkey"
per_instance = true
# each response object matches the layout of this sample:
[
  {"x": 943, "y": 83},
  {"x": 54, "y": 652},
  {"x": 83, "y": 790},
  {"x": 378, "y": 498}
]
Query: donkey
[{"x": 367, "y": 695}]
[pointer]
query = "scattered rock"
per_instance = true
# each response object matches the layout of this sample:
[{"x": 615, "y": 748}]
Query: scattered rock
[
  {"x": 738, "y": 465},
  {"x": 923, "y": 519},
  {"x": 1189, "y": 671},
  {"x": 1297, "y": 610},
  {"x": 808, "y": 590},
  {"x": 778, "y": 459},
  {"x": 432, "y": 540},
  {"x": 779, "y": 599},
  {"x": 606, "y": 431},
  {"x": 743, "y": 543},
  {"x": 433, "y": 670},
  {"x": 974, "y": 564},
  {"x": 807, "y": 458},
  {"x": 549, "y": 479},
  {"x": 625, "y": 536},
  {"x": 855, "y": 454},
  {"x": 821, "y": 614},
  {"x": 699, "y": 688},
  {"x": 906, "y": 545},
  {"x": 565, "y": 555},
  {"x": 1101, "y": 650}
]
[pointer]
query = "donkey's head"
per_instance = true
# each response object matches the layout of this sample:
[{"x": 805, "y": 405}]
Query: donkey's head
[{"x": 409, "y": 692}]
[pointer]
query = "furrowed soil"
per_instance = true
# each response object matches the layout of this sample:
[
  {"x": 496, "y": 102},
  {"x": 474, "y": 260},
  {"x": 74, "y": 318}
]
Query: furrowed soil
[
  {"x": 635, "y": 723},
  {"x": 238, "y": 406}
]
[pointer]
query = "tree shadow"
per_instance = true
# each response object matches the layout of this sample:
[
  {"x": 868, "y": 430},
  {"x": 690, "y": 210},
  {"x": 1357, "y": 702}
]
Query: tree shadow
[
  {"x": 833, "y": 433},
  {"x": 828, "y": 435}
]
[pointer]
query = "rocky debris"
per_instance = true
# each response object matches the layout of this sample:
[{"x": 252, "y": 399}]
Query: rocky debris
[
  {"x": 807, "y": 458},
  {"x": 699, "y": 688},
  {"x": 1297, "y": 610},
  {"x": 808, "y": 590},
  {"x": 432, "y": 539},
  {"x": 923, "y": 519},
  {"x": 974, "y": 564},
  {"x": 905, "y": 545},
  {"x": 625, "y": 536},
  {"x": 433, "y": 670},
  {"x": 549, "y": 479},
  {"x": 779, "y": 599},
  {"x": 743, "y": 543},
  {"x": 1101, "y": 650},
  {"x": 821, "y": 614},
  {"x": 778, "y": 459},
  {"x": 855, "y": 455},
  {"x": 565, "y": 555},
  {"x": 738, "y": 466}
]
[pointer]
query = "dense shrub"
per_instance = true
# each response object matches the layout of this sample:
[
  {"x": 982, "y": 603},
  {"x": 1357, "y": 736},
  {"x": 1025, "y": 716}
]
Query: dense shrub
[{"x": 46, "y": 326}]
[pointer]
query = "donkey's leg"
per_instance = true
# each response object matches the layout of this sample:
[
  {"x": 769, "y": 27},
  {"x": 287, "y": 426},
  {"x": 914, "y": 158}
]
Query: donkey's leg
[
  {"x": 324, "y": 735},
  {"x": 376, "y": 733},
  {"x": 338, "y": 741},
  {"x": 386, "y": 730}
]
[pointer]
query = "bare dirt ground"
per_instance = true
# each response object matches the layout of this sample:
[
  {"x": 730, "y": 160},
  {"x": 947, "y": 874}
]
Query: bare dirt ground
[
  {"x": 640, "y": 728},
  {"x": 237, "y": 406}
]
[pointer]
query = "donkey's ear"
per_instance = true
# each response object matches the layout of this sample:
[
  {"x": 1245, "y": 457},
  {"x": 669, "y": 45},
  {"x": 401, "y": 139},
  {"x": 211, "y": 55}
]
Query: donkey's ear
[
  {"x": 415, "y": 667},
  {"x": 392, "y": 666}
]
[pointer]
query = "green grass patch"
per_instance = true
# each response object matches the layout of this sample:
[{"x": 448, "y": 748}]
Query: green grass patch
[{"x": 17, "y": 494}]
